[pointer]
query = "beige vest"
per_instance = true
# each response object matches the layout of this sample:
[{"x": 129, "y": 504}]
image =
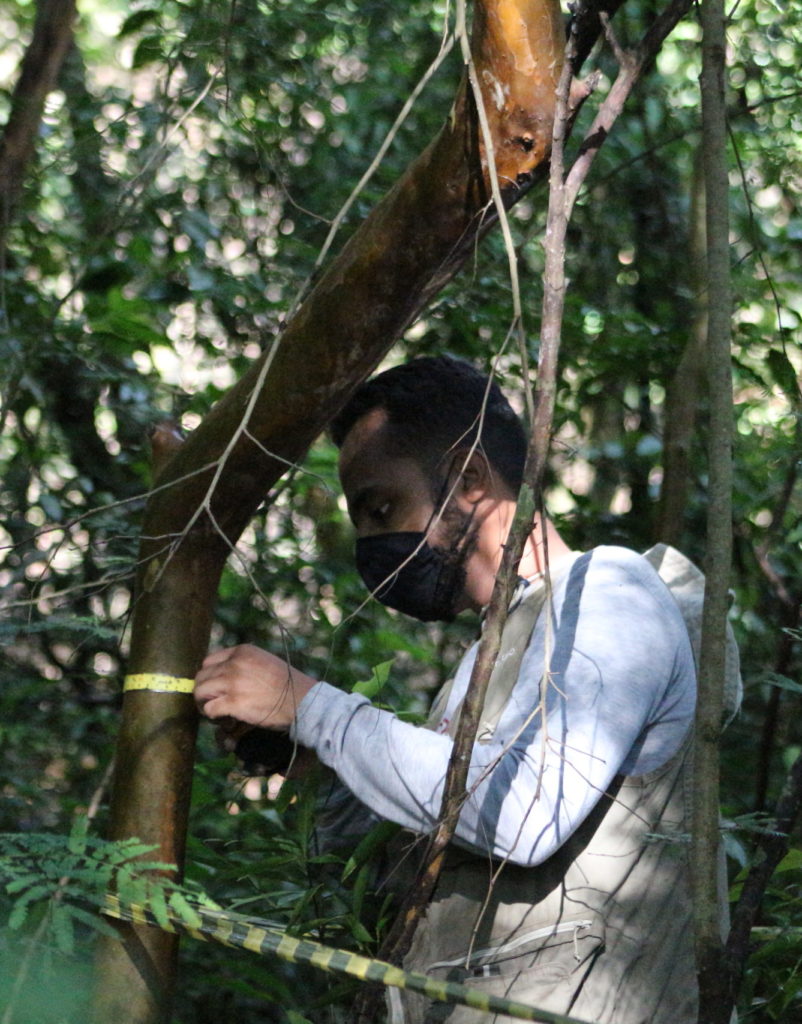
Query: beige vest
[{"x": 601, "y": 931}]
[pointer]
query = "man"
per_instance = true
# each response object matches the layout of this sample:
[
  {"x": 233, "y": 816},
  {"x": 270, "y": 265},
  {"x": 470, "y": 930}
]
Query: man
[{"x": 567, "y": 885}]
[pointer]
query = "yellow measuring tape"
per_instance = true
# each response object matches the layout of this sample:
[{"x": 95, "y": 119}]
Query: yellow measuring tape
[
  {"x": 235, "y": 930},
  {"x": 158, "y": 682}
]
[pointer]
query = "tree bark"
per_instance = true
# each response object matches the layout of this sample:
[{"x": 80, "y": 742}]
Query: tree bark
[
  {"x": 682, "y": 394},
  {"x": 714, "y": 997},
  {"x": 52, "y": 37},
  {"x": 409, "y": 247}
]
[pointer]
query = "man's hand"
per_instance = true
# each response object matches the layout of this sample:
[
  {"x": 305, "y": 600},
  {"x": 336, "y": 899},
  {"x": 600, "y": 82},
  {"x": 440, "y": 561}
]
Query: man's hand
[{"x": 250, "y": 685}]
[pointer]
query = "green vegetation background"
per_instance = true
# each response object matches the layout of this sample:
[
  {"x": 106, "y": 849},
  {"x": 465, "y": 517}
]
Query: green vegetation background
[{"x": 186, "y": 175}]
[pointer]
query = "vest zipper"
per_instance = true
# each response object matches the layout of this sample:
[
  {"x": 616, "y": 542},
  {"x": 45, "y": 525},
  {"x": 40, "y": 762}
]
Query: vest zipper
[{"x": 507, "y": 947}]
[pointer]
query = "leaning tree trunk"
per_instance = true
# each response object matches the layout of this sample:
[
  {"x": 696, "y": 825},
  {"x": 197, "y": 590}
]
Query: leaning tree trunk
[{"x": 410, "y": 246}]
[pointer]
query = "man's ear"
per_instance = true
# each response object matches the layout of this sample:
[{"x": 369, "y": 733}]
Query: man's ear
[{"x": 476, "y": 478}]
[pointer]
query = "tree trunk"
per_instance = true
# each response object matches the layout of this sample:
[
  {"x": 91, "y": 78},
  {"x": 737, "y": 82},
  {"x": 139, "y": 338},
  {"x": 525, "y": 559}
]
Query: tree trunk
[
  {"x": 682, "y": 394},
  {"x": 714, "y": 997}
]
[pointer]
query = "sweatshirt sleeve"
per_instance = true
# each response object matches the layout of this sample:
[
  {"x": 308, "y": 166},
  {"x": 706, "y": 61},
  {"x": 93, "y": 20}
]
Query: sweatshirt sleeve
[{"x": 618, "y": 699}]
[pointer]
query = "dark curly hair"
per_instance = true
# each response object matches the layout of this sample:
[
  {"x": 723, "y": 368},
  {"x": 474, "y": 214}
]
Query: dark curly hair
[{"x": 434, "y": 404}]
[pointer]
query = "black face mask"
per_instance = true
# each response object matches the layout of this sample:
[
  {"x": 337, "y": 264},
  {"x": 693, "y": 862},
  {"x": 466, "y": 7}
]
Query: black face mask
[{"x": 406, "y": 573}]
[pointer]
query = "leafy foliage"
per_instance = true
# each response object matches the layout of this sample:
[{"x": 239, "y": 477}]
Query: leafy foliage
[{"x": 49, "y": 883}]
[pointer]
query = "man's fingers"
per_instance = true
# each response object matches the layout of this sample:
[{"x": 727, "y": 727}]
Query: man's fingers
[
  {"x": 217, "y": 657},
  {"x": 216, "y": 665},
  {"x": 207, "y": 689},
  {"x": 213, "y": 707},
  {"x": 250, "y": 685},
  {"x": 206, "y": 673}
]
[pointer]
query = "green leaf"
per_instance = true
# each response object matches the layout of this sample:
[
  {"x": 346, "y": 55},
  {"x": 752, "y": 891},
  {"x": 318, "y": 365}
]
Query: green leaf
[
  {"x": 379, "y": 836},
  {"x": 783, "y": 682},
  {"x": 51, "y": 507},
  {"x": 148, "y": 50},
  {"x": 158, "y": 905},
  {"x": 127, "y": 849},
  {"x": 137, "y": 20},
  {"x": 371, "y": 687},
  {"x": 200, "y": 279},
  {"x": 792, "y": 861},
  {"x": 360, "y": 932},
  {"x": 185, "y": 911},
  {"x": 62, "y": 928},
  {"x": 20, "y": 884},
  {"x": 18, "y": 916},
  {"x": 735, "y": 849},
  {"x": 77, "y": 841},
  {"x": 94, "y": 921},
  {"x": 36, "y": 893},
  {"x": 360, "y": 888},
  {"x": 784, "y": 373}
]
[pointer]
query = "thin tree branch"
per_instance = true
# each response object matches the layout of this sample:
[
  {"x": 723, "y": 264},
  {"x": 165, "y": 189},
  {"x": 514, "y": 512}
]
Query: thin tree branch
[
  {"x": 631, "y": 67},
  {"x": 399, "y": 938},
  {"x": 755, "y": 233},
  {"x": 714, "y": 1004},
  {"x": 682, "y": 393},
  {"x": 587, "y": 27},
  {"x": 495, "y": 187},
  {"x": 790, "y": 617}
]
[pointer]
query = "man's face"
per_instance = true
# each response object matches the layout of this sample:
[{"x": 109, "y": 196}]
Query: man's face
[
  {"x": 389, "y": 494},
  {"x": 384, "y": 493}
]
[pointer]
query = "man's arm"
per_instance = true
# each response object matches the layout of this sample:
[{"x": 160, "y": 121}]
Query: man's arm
[{"x": 619, "y": 698}]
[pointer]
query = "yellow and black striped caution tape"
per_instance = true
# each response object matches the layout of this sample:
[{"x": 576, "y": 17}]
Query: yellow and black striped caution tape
[{"x": 240, "y": 932}]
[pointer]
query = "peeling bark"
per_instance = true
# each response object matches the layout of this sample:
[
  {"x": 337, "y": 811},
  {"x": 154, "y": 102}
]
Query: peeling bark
[{"x": 519, "y": 50}]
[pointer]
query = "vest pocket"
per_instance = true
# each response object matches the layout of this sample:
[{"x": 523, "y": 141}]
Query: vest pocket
[{"x": 544, "y": 968}]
